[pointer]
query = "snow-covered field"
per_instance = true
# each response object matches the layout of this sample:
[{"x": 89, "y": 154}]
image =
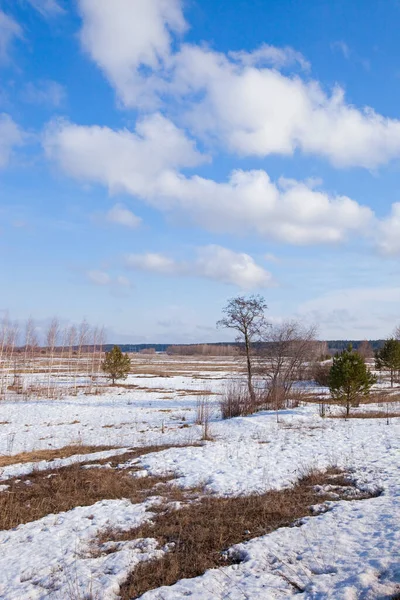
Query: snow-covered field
[{"x": 350, "y": 552}]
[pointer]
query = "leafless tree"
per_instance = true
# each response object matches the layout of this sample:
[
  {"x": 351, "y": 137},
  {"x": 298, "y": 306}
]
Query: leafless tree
[
  {"x": 246, "y": 316},
  {"x": 52, "y": 336},
  {"x": 365, "y": 349},
  {"x": 289, "y": 349},
  {"x": 31, "y": 346}
]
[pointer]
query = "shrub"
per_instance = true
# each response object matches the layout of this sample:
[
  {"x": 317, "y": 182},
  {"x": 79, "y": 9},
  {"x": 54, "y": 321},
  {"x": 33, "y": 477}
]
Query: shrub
[
  {"x": 321, "y": 373},
  {"x": 235, "y": 401}
]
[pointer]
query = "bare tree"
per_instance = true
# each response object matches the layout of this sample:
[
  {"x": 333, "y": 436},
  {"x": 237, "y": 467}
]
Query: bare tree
[
  {"x": 289, "y": 349},
  {"x": 365, "y": 350},
  {"x": 52, "y": 336},
  {"x": 247, "y": 317},
  {"x": 31, "y": 346}
]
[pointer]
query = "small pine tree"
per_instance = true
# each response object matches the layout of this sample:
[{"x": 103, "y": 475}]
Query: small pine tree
[
  {"x": 349, "y": 378},
  {"x": 116, "y": 365},
  {"x": 388, "y": 358}
]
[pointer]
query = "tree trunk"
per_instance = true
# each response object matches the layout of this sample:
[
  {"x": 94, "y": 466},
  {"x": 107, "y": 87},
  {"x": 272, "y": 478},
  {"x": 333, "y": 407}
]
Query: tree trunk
[{"x": 250, "y": 373}]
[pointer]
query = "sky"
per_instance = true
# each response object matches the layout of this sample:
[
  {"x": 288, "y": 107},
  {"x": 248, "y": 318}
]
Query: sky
[{"x": 158, "y": 157}]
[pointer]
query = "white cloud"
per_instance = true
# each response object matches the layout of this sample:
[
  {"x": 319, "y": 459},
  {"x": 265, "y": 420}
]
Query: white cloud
[
  {"x": 99, "y": 277},
  {"x": 120, "y": 215},
  {"x": 154, "y": 263},
  {"x": 267, "y": 55},
  {"x": 104, "y": 279},
  {"x": 261, "y": 111},
  {"x": 357, "y": 313},
  {"x": 221, "y": 264},
  {"x": 121, "y": 160},
  {"x": 212, "y": 262},
  {"x": 388, "y": 234},
  {"x": 249, "y": 109},
  {"x": 123, "y": 36},
  {"x": 48, "y": 93},
  {"x": 9, "y": 31},
  {"x": 147, "y": 164},
  {"x": 342, "y": 47},
  {"x": 47, "y": 8},
  {"x": 10, "y": 137}
]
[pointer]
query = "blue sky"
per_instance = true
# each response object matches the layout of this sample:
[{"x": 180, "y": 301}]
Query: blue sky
[{"x": 160, "y": 156}]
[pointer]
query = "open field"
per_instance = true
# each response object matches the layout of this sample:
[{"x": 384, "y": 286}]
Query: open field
[{"x": 95, "y": 485}]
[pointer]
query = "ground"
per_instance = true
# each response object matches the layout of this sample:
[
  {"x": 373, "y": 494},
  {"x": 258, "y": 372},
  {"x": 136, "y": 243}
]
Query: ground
[{"x": 349, "y": 550}]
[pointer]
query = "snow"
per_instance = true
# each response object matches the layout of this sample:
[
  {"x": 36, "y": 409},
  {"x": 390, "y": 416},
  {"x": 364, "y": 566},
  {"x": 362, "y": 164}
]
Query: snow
[
  {"x": 255, "y": 453},
  {"x": 19, "y": 470},
  {"x": 51, "y": 558},
  {"x": 348, "y": 553}
]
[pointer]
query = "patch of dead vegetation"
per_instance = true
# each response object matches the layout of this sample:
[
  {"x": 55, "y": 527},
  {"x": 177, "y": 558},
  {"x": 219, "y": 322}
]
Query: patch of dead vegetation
[
  {"x": 38, "y": 455},
  {"x": 368, "y": 414},
  {"x": 199, "y": 534},
  {"x": 40, "y": 493}
]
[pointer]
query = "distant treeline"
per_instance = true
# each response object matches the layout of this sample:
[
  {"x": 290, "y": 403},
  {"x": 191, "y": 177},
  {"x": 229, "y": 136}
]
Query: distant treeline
[
  {"x": 224, "y": 349},
  {"x": 339, "y": 345}
]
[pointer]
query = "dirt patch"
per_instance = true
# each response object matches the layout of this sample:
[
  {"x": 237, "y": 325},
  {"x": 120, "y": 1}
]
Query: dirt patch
[{"x": 200, "y": 533}]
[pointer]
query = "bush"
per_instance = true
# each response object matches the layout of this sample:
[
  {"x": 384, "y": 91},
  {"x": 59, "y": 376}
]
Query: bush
[
  {"x": 235, "y": 401},
  {"x": 321, "y": 373}
]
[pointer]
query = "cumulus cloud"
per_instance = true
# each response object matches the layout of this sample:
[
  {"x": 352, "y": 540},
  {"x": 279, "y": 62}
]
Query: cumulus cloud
[
  {"x": 388, "y": 234},
  {"x": 248, "y": 108},
  {"x": 122, "y": 160},
  {"x": 271, "y": 55},
  {"x": 120, "y": 215},
  {"x": 154, "y": 263},
  {"x": 257, "y": 112},
  {"x": 10, "y": 30},
  {"x": 143, "y": 29},
  {"x": 47, "y": 8},
  {"x": 212, "y": 262},
  {"x": 148, "y": 164},
  {"x": 10, "y": 136}
]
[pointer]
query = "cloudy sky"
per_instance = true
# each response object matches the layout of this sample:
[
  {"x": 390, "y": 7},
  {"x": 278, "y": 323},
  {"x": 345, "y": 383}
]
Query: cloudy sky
[{"x": 158, "y": 157}]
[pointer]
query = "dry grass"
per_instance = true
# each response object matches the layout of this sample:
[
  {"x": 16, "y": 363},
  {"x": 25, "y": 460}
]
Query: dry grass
[
  {"x": 200, "y": 534},
  {"x": 56, "y": 490},
  {"x": 36, "y": 495},
  {"x": 38, "y": 455},
  {"x": 370, "y": 414},
  {"x": 42, "y": 493}
]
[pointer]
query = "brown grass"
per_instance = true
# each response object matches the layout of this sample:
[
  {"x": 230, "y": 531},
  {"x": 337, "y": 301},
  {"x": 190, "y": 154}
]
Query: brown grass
[
  {"x": 42, "y": 493},
  {"x": 38, "y": 455},
  {"x": 36, "y": 495},
  {"x": 201, "y": 533},
  {"x": 370, "y": 414}
]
